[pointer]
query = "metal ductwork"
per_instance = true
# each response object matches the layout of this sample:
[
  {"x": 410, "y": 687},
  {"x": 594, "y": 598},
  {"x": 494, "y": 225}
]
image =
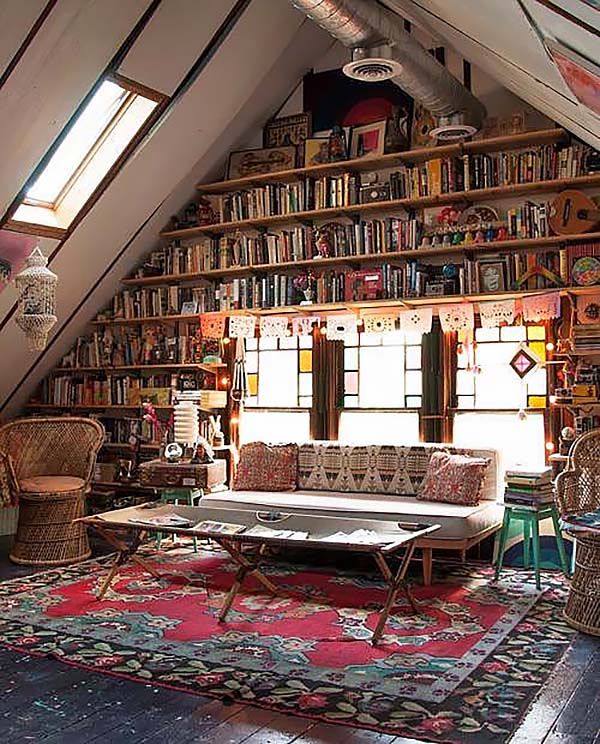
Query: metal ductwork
[{"x": 383, "y": 50}]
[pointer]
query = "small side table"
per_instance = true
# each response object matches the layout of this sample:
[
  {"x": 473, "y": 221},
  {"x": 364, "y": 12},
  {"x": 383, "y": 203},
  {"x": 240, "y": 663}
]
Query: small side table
[{"x": 531, "y": 519}]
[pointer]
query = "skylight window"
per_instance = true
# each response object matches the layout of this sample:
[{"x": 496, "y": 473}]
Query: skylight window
[{"x": 96, "y": 139}]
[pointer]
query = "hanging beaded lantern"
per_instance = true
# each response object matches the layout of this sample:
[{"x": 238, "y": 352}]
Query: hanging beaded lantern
[{"x": 36, "y": 286}]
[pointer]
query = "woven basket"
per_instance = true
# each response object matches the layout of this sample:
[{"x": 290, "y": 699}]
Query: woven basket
[{"x": 583, "y": 604}]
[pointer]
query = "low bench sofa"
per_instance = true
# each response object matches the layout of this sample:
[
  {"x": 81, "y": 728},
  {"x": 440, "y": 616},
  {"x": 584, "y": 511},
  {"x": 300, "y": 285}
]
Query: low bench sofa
[{"x": 380, "y": 482}]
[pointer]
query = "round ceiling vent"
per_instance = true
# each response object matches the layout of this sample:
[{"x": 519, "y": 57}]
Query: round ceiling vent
[
  {"x": 452, "y": 132},
  {"x": 373, "y": 70},
  {"x": 373, "y": 64}
]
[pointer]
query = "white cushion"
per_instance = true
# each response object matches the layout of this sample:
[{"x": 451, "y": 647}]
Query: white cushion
[{"x": 456, "y": 521}]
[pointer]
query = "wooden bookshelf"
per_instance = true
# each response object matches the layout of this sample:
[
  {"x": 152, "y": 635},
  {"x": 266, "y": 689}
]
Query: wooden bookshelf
[
  {"x": 514, "y": 244},
  {"x": 403, "y": 302},
  {"x": 214, "y": 368},
  {"x": 470, "y": 196},
  {"x": 407, "y": 157}
]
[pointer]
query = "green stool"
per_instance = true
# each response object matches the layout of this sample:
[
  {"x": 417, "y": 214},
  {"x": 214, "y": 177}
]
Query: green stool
[
  {"x": 531, "y": 529},
  {"x": 185, "y": 496}
]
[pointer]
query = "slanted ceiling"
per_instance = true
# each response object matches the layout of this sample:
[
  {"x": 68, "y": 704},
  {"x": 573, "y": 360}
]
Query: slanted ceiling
[
  {"x": 266, "y": 52},
  {"x": 505, "y": 38}
]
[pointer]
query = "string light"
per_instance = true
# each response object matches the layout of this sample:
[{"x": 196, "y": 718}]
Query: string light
[
  {"x": 552, "y": 399},
  {"x": 323, "y": 330},
  {"x": 226, "y": 341},
  {"x": 549, "y": 346},
  {"x": 234, "y": 420},
  {"x": 359, "y": 322},
  {"x": 550, "y": 446},
  {"x": 224, "y": 380}
]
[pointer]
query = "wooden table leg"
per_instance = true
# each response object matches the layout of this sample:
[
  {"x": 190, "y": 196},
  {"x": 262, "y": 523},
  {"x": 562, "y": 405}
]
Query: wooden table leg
[
  {"x": 396, "y": 583},
  {"x": 125, "y": 553},
  {"x": 246, "y": 568}
]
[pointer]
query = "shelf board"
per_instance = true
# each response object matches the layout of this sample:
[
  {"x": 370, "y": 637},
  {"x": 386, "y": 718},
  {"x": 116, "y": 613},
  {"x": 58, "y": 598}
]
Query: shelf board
[
  {"x": 514, "y": 244},
  {"x": 406, "y": 157},
  {"x": 119, "y": 407},
  {"x": 471, "y": 196},
  {"x": 214, "y": 368},
  {"x": 404, "y": 302}
]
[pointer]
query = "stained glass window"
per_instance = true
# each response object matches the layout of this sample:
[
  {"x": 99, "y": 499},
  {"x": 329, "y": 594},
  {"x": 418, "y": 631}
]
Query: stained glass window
[
  {"x": 485, "y": 378},
  {"x": 279, "y": 372}
]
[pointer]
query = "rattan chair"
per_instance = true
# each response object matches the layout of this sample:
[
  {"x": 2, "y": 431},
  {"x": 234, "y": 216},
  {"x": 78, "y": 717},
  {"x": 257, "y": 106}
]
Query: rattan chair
[
  {"x": 49, "y": 463},
  {"x": 578, "y": 492}
]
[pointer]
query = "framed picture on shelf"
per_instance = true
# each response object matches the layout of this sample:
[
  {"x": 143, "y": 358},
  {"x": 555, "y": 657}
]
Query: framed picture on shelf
[
  {"x": 263, "y": 160},
  {"x": 368, "y": 141},
  {"x": 316, "y": 151},
  {"x": 287, "y": 130},
  {"x": 189, "y": 308},
  {"x": 492, "y": 276}
]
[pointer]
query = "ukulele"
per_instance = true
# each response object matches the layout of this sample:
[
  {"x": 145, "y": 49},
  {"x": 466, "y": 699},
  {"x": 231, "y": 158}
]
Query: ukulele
[{"x": 573, "y": 212}]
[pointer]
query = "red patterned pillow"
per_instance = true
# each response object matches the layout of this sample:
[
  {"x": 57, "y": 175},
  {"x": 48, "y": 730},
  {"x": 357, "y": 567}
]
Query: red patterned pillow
[
  {"x": 265, "y": 467},
  {"x": 455, "y": 479}
]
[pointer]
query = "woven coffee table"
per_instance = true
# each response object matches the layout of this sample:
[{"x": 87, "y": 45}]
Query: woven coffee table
[{"x": 125, "y": 530}]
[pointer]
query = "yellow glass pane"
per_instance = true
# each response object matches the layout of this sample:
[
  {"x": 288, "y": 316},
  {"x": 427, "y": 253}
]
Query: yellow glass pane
[
  {"x": 253, "y": 384},
  {"x": 538, "y": 348},
  {"x": 536, "y": 333},
  {"x": 306, "y": 360},
  {"x": 537, "y": 401}
]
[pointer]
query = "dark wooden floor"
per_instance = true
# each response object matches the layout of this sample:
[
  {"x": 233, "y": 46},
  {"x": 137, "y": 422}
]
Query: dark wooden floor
[{"x": 42, "y": 700}]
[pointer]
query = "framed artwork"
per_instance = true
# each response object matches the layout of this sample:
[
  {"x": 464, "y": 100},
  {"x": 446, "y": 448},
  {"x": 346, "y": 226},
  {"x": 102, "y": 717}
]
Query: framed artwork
[
  {"x": 189, "y": 308},
  {"x": 316, "y": 151},
  {"x": 266, "y": 160},
  {"x": 368, "y": 141},
  {"x": 492, "y": 277},
  {"x": 287, "y": 130},
  {"x": 334, "y": 98},
  {"x": 422, "y": 123}
]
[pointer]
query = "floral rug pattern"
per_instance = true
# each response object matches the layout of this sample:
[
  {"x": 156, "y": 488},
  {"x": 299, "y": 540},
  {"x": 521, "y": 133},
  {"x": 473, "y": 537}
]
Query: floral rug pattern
[{"x": 464, "y": 670}]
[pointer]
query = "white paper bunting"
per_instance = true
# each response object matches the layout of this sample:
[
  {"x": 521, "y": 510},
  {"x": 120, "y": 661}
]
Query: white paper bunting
[
  {"x": 459, "y": 317},
  {"x": 537, "y": 308},
  {"x": 496, "y": 313},
  {"x": 340, "y": 326},
  {"x": 242, "y": 326},
  {"x": 384, "y": 323},
  {"x": 303, "y": 324},
  {"x": 417, "y": 320},
  {"x": 274, "y": 326}
]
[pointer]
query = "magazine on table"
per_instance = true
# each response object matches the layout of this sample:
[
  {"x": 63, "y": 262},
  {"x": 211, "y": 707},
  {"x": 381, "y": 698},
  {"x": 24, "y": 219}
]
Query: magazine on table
[
  {"x": 163, "y": 520},
  {"x": 219, "y": 528},
  {"x": 259, "y": 530},
  {"x": 360, "y": 537}
]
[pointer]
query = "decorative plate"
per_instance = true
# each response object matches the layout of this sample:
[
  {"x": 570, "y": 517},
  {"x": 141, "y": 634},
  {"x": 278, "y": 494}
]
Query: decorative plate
[{"x": 586, "y": 271}]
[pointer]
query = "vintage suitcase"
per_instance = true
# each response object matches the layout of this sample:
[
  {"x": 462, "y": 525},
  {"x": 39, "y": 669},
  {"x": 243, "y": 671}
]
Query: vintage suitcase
[{"x": 161, "y": 474}]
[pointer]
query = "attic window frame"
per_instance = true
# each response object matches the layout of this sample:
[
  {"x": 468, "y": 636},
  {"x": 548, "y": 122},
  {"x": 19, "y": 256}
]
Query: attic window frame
[
  {"x": 134, "y": 90},
  {"x": 95, "y": 146}
]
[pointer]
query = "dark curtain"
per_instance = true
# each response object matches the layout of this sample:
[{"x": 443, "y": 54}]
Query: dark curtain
[
  {"x": 328, "y": 391},
  {"x": 439, "y": 363}
]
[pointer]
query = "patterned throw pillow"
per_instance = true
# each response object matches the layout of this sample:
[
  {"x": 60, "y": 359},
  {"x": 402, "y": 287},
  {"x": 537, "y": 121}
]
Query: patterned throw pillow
[
  {"x": 455, "y": 479},
  {"x": 266, "y": 467}
]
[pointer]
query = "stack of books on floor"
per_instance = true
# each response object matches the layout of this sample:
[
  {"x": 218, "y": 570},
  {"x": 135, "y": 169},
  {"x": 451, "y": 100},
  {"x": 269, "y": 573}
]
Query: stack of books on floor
[{"x": 529, "y": 489}]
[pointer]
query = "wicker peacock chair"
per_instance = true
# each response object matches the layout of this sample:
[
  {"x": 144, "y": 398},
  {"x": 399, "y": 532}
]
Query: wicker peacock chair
[
  {"x": 49, "y": 462},
  {"x": 578, "y": 492}
]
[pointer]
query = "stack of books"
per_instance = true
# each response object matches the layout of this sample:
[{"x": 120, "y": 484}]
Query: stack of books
[{"x": 529, "y": 489}]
